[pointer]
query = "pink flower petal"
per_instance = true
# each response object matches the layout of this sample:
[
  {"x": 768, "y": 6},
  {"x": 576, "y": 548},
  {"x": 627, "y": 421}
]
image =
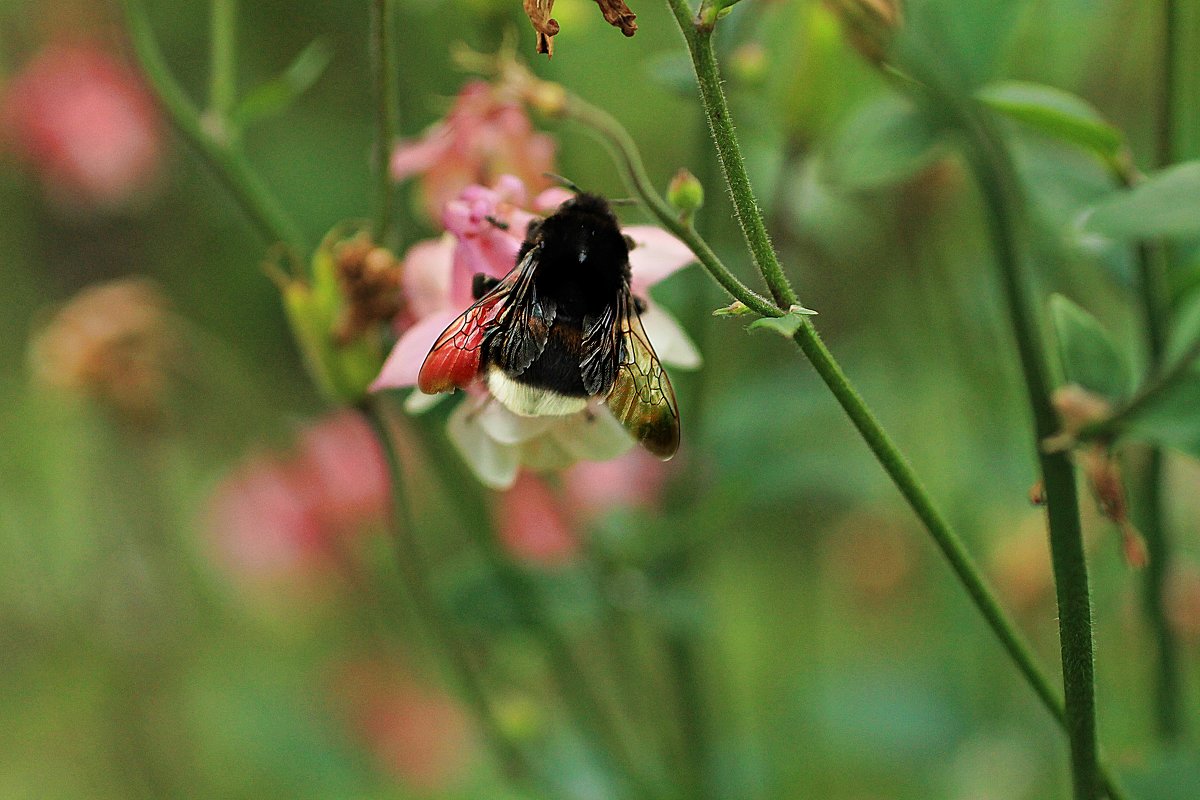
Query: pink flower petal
[
  {"x": 656, "y": 256},
  {"x": 404, "y": 362},
  {"x": 412, "y": 157},
  {"x": 426, "y": 276},
  {"x": 551, "y": 199}
]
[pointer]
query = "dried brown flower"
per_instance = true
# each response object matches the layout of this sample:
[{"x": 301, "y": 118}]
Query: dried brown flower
[
  {"x": 370, "y": 281},
  {"x": 615, "y": 12},
  {"x": 114, "y": 343}
]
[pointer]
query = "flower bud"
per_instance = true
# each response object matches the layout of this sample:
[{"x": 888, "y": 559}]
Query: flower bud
[
  {"x": 685, "y": 193},
  {"x": 1078, "y": 409},
  {"x": 341, "y": 312},
  {"x": 869, "y": 24}
]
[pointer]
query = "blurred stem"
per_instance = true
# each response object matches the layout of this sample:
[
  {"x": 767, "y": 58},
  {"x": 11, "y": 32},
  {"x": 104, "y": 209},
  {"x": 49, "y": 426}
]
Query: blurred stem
[
  {"x": 210, "y": 139},
  {"x": 416, "y": 572},
  {"x": 387, "y": 105},
  {"x": 222, "y": 87},
  {"x": 572, "y": 681},
  {"x": 1154, "y": 291},
  {"x": 1078, "y": 716}
]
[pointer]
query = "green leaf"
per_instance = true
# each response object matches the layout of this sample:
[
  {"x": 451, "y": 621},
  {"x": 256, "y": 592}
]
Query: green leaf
[
  {"x": 1166, "y": 204},
  {"x": 884, "y": 142},
  {"x": 275, "y": 96},
  {"x": 735, "y": 309},
  {"x": 1087, "y": 353},
  {"x": 786, "y": 325},
  {"x": 1058, "y": 114},
  {"x": 1171, "y": 419}
]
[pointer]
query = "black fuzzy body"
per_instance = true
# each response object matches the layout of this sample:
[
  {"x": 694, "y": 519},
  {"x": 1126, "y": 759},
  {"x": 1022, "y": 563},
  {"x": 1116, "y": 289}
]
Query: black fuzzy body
[{"x": 561, "y": 334}]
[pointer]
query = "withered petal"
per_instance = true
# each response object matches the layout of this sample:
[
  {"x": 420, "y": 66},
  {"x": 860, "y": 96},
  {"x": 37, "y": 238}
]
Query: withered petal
[
  {"x": 539, "y": 12},
  {"x": 619, "y": 15}
]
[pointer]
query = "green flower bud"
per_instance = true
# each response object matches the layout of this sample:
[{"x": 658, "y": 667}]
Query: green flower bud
[{"x": 685, "y": 193}]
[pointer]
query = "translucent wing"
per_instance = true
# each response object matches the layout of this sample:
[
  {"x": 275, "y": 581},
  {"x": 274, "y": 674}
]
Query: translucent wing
[
  {"x": 456, "y": 358},
  {"x": 642, "y": 398}
]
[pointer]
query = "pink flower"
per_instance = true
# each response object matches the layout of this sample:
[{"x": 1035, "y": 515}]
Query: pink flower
[
  {"x": 486, "y": 227},
  {"x": 86, "y": 125},
  {"x": 281, "y": 514},
  {"x": 415, "y": 732},
  {"x": 532, "y": 524},
  {"x": 484, "y": 136}
]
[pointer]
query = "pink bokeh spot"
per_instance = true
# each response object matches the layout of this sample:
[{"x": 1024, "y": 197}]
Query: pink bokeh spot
[
  {"x": 87, "y": 126},
  {"x": 533, "y": 526}
]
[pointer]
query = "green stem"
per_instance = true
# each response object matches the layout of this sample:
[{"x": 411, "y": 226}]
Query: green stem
[
  {"x": 402, "y": 530},
  {"x": 222, "y": 86},
  {"x": 211, "y": 141},
  {"x": 995, "y": 176},
  {"x": 387, "y": 104},
  {"x": 1078, "y": 715}
]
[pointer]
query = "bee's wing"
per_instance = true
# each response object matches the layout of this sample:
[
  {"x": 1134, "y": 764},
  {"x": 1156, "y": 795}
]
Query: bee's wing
[
  {"x": 642, "y": 398},
  {"x": 457, "y": 356}
]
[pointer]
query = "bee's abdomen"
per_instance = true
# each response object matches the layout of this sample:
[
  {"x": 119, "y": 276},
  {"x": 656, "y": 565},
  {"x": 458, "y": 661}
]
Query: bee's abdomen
[{"x": 557, "y": 368}]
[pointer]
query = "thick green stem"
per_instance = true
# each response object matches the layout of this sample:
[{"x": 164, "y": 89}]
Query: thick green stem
[
  {"x": 387, "y": 105},
  {"x": 222, "y": 78},
  {"x": 415, "y": 569},
  {"x": 211, "y": 140},
  {"x": 995, "y": 177}
]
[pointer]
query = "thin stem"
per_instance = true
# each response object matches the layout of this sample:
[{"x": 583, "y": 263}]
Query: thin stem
[
  {"x": 211, "y": 142},
  {"x": 387, "y": 105},
  {"x": 1155, "y": 296},
  {"x": 1077, "y": 717},
  {"x": 222, "y": 86},
  {"x": 401, "y": 529},
  {"x": 628, "y": 158}
]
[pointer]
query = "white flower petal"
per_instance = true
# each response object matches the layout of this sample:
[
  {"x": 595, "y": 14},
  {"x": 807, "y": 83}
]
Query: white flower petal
[
  {"x": 545, "y": 454},
  {"x": 494, "y": 463},
  {"x": 418, "y": 402},
  {"x": 592, "y": 435},
  {"x": 670, "y": 342},
  {"x": 508, "y": 428}
]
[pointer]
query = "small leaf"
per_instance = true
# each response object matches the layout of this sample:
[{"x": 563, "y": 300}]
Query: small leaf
[
  {"x": 884, "y": 142},
  {"x": 275, "y": 96},
  {"x": 1056, "y": 113},
  {"x": 786, "y": 325},
  {"x": 1165, "y": 204},
  {"x": 1088, "y": 355},
  {"x": 1172, "y": 419},
  {"x": 735, "y": 309}
]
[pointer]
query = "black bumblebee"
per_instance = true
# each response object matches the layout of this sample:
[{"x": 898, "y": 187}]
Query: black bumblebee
[{"x": 560, "y": 329}]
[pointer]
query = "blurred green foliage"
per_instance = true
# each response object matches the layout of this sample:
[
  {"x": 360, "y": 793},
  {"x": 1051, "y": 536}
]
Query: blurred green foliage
[{"x": 838, "y": 659}]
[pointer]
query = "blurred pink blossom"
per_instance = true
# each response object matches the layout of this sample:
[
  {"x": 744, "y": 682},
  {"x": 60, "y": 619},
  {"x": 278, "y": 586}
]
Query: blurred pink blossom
[
  {"x": 280, "y": 514},
  {"x": 485, "y": 229},
  {"x": 86, "y": 125},
  {"x": 635, "y": 480},
  {"x": 484, "y": 136},
  {"x": 532, "y": 523},
  {"x": 415, "y": 732}
]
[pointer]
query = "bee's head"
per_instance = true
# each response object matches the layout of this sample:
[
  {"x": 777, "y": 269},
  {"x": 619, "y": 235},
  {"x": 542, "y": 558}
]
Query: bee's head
[{"x": 583, "y": 231}]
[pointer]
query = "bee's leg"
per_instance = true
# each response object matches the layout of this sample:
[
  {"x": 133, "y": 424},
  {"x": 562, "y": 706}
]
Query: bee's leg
[
  {"x": 639, "y": 305},
  {"x": 497, "y": 223},
  {"x": 481, "y": 284},
  {"x": 630, "y": 243}
]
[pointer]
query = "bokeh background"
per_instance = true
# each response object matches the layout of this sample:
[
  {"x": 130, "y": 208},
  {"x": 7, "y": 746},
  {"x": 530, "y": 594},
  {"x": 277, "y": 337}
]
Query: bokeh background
[{"x": 156, "y": 643}]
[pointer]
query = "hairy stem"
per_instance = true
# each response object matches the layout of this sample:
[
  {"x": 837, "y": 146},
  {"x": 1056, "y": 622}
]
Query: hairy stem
[
  {"x": 387, "y": 105},
  {"x": 1077, "y": 716},
  {"x": 211, "y": 141},
  {"x": 416, "y": 572}
]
